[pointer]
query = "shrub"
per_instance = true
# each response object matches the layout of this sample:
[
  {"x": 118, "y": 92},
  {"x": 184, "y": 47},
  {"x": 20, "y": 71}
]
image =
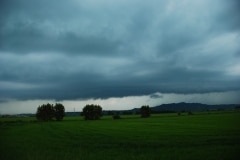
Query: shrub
[
  {"x": 190, "y": 113},
  {"x": 117, "y": 116}
]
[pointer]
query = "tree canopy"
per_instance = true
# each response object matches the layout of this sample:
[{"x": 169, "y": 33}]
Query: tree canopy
[
  {"x": 92, "y": 112},
  {"x": 59, "y": 111},
  {"x": 47, "y": 112},
  {"x": 145, "y": 111}
]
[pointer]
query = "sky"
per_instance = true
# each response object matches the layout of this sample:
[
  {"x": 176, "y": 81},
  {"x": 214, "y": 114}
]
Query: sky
[{"x": 118, "y": 53}]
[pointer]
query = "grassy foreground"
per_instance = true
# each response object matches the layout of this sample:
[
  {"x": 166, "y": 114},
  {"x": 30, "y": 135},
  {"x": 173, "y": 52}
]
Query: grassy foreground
[{"x": 213, "y": 136}]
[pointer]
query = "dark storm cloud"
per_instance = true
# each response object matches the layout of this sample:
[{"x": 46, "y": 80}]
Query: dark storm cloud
[
  {"x": 69, "y": 43},
  {"x": 28, "y": 27},
  {"x": 75, "y": 49}
]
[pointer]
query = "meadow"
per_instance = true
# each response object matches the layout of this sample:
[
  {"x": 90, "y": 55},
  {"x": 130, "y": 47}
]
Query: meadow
[{"x": 212, "y": 135}]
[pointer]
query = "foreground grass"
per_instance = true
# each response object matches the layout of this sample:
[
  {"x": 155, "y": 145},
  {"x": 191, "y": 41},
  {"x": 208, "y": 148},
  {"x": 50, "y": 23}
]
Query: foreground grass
[{"x": 166, "y": 136}]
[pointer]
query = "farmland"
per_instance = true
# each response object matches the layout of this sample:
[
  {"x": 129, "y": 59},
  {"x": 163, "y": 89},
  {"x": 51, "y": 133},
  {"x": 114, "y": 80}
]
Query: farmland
[{"x": 213, "y": 135}]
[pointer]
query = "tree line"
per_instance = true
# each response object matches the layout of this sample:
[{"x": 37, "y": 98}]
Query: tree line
[{"x": 49, "y": 112}]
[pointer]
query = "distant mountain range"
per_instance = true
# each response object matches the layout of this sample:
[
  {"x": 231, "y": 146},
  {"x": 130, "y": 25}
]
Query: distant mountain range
[
  {"x": 192, "y": 107},
  {"x": 181, "y": 107}
]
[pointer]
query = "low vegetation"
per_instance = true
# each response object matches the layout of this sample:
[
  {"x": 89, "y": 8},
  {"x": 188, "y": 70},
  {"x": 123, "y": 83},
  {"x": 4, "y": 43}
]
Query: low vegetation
[
  {"x": 116, "y": 116},
  {"x": 205, "y": 135}
]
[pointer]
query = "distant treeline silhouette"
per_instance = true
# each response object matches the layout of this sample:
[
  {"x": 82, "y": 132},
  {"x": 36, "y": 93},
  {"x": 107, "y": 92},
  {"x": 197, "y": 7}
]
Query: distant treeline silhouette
[{"x": 49, "y": 112}]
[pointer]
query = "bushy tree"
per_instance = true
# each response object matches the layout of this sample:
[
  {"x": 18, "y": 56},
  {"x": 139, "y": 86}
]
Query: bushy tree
[
  {"x": 47, "y": 112},
  {"x": 145, "y": 111},
  {"x": 190, "y": 113},
  {"x": 92, "y": 112},
  {"x": 59, "y": 111},
  {"x": 116, "y": 115}
]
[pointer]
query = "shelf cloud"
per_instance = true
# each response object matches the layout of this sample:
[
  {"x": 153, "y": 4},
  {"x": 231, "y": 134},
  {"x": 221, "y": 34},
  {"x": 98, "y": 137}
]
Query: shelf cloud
[{"x": 67, "y": 50}]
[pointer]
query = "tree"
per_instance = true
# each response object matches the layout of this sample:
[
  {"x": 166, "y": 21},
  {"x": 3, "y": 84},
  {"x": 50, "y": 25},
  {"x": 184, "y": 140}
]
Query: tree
[
  {"x": 116, "y": 115},
  {"x": 92, "y": 112},
  {"x": 45, "y": 112},
  {"x": 145, "y": 111},
  {"x": 59, "y": 111},
  {"x": 237, "y": 107}
]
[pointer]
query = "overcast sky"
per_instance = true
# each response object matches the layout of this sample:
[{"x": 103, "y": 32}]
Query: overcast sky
[{"x": 101, "y": 50}]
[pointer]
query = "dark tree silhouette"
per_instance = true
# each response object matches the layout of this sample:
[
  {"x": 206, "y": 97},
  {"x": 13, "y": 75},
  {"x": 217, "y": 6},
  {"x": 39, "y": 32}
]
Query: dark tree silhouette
[
  {"x": 45, "y": 112},
  {"x": 145, "y": 111},
  {"x": 92, "y": 112},
  {"x": 116, "y": 116},
  {"x": 59, "y": 111}
]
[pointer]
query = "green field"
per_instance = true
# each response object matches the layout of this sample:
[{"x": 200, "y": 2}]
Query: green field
[{"x": 163, "y": 136}]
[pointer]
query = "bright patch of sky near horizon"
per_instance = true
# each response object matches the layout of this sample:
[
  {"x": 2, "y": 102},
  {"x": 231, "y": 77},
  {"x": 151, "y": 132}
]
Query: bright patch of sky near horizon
[{"x": 30, "y": 106}]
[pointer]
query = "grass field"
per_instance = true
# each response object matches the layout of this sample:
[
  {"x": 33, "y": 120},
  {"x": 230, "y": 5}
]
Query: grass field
[{"x": 212, "y": 136}]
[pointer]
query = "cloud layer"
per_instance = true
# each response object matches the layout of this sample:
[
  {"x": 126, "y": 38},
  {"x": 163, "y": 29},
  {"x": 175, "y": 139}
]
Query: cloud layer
[{"x": 100, "y": 49}]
